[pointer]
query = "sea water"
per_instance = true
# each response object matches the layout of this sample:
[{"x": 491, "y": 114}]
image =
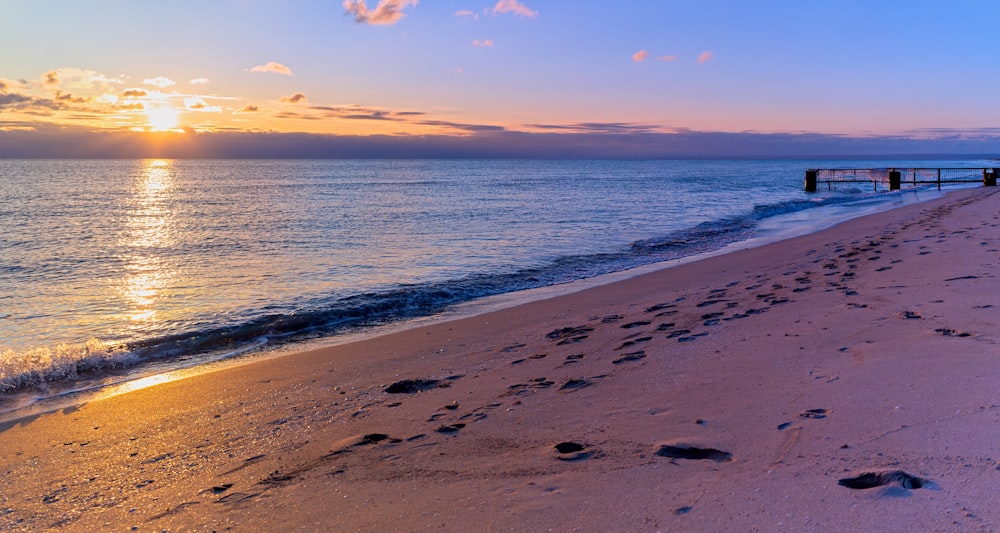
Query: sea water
[{"x": 108, "y": 266}]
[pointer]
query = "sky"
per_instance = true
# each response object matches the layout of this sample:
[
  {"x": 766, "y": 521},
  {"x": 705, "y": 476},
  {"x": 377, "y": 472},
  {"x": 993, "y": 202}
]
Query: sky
[{"x": 487, "y": 77}]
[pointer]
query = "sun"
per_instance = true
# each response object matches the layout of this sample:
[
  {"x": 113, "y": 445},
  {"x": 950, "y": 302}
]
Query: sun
[{"x": 162, "y": 118}]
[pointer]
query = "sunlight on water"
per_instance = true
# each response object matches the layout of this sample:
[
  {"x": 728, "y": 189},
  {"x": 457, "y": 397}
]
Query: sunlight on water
[
  {"x": 149, "y": 228},
  {"x": 138, "y": 384}
]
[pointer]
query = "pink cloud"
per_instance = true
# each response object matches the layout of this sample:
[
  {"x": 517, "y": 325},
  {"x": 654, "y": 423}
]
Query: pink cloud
[
  {"x": 640, "y": 56},
  {"x": 484, "y": 43},
  {"x": 705, "y": 57},
  {"x": 515, "y": 7},
  {"x": 466, "y": 13},
  {"x": 385, "y": 12},
  {"x": 271, "y": 66},
  {"x": 667, "y": 58}
]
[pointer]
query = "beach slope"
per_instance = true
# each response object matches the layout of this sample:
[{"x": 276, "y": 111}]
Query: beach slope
[{"x": 845, "y": 380}]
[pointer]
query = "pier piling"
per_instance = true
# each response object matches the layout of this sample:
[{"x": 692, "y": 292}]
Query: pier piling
[{"x": 810, "y": 181}]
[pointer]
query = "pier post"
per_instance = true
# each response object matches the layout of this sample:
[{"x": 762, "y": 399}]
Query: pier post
[
  {"x": 895, "y": 180},
  {"x": 810, "y": 180},
  {"x": 989, "y": 177}
]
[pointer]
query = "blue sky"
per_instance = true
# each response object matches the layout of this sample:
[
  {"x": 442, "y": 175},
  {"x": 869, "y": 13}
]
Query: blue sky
[{"x": 460, "y": 68}]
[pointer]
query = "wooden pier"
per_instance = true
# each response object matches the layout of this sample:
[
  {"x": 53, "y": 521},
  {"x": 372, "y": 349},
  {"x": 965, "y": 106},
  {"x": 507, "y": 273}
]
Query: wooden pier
[{"x": 895, "y": 178}]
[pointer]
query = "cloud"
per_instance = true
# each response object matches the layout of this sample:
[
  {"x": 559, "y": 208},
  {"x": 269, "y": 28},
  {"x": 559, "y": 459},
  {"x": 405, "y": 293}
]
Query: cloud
[
  {"x": 3, "y": 87},
  {"x": 300, "y": 116},
  {"x": 13, "y": 100},
  {"x": 28, "y": 104},
  {"x": 249, "y": 108},
  {"x": 466, "y": 13},
  {"x": 515, "y": 7},
  {"x": 667, "y": 58},
  {"x": 705, "y": 57},
  {"x": 134, "y": 93},
  {"x": 601, "y": 127},
  {"x": 461, "y": 126},
  {"x": 356, "y": 112},
  {"x": 293, "y": 99},
  {"x": 640, "y": 56},
  {"x": 199, "y": 81},
  {"x": 386, "y": 12},
  {"x": 271, "y": 66},
  {"x": 131, "y": 106},
  {"x": 484, "y": 43},
  {"x": 198, "y": 104},
  {"x": 371, "y": 115},
  {"x": 160, "y": 82},
  {"x": 68, "y": 98},
  {"x": 77, "y": 79}
]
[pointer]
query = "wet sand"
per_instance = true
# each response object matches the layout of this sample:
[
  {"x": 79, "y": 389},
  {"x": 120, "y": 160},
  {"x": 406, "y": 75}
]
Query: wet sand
[{"x": 845, "y": 380}]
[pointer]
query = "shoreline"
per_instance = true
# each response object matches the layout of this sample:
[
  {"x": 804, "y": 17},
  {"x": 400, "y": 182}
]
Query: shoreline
[
  {"x": 785, "y": 367},
  {"x": 112, "y": 381}
]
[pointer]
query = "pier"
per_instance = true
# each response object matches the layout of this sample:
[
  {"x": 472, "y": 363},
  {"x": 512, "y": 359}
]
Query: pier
[{"x": 895, "y": 178}]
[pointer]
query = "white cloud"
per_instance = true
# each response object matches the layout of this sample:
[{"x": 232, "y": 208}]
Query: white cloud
[
  {"x": 466, "y": 13},
  {"x": 160, "y": 82},
  {"x": 515, "y": 7},
  {"x": 271, "y": 66},
  {"x": 199, "y": 81},
  {"x": 385, "y": 12}
]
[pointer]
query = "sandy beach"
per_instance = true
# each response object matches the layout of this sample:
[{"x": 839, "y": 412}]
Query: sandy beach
[{"x": 840, "y": 381}]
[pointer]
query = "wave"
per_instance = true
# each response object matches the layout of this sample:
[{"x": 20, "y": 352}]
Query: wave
[{"x": 39, "y": 367}]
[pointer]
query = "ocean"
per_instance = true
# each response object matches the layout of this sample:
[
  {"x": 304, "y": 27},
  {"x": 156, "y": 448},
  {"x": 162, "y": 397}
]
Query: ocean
[{"x": 112, "y": 270}]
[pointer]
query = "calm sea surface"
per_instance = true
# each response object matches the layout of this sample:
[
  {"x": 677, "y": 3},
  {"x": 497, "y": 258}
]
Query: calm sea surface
[{"x": 109, "y": 265}]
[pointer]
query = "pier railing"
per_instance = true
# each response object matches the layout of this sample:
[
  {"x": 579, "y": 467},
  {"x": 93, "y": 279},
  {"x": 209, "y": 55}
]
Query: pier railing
[{"x": 896, "y": 178}]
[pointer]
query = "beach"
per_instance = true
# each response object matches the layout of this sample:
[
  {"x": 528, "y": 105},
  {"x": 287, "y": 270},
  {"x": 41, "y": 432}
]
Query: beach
[{"x": 747, "y": 391}]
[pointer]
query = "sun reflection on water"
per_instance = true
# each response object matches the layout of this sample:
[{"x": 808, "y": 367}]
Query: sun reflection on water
[{"x": 149, "y": 232}]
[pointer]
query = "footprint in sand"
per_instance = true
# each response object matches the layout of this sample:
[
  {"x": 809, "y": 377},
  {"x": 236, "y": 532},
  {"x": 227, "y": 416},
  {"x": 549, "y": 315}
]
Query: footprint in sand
[
  {"x": 814, "y": 413},
  {"x": 626, "y": 344},
  {"x": 870, "y": 480},
  {"x": 571, "y": 451},
  {"x": 579, "y": 383},
  {"x": 685, "y": 451},
  {"x": 952, "y": 332},
  {"x": 628, "y": 357},
  {"x": 412, "y": 386}
]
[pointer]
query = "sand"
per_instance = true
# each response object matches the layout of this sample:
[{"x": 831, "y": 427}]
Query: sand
[{"x": 730, "y": 394}]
